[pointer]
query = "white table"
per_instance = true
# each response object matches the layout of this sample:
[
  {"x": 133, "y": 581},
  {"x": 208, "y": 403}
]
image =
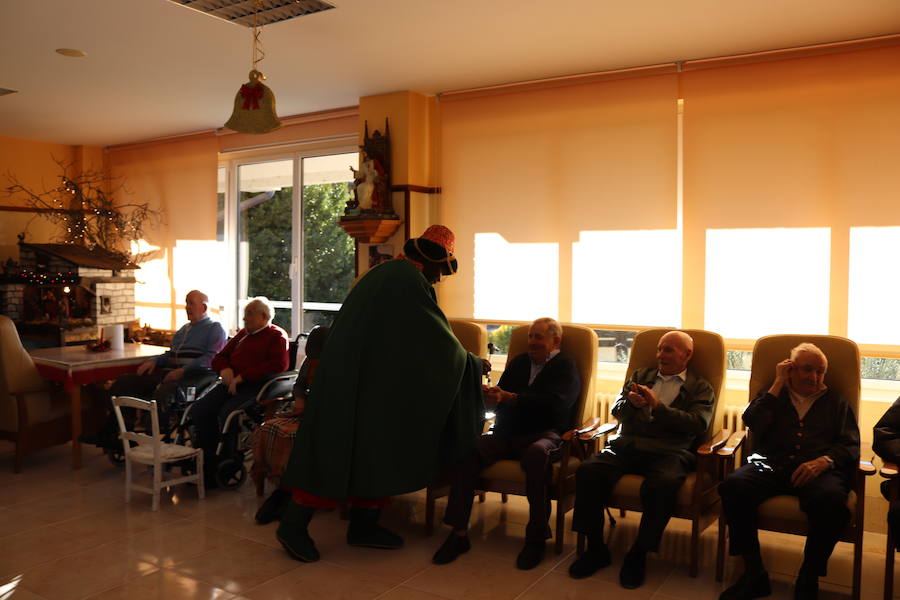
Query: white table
[{"x": 75, "y": 366}]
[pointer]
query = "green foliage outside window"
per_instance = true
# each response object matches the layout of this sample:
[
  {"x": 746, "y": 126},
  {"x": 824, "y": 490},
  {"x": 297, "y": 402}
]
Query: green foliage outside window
[{"x": 328, "y": 252}]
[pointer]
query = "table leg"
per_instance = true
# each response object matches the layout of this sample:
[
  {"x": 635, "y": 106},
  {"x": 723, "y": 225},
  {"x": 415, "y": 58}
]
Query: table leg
[{"x": 75, "y": 396}]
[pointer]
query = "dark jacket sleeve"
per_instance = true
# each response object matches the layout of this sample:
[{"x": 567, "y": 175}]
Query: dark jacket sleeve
[
  {"x": 844, "y": 450},
  {"x": 760, "y": 413},
  {"x": 886, "y": 435}
]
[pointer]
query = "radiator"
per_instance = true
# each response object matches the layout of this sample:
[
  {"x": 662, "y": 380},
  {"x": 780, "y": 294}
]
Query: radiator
[
  {"x": 731, "y": 419},
  {"x": 603, "y": 403}
]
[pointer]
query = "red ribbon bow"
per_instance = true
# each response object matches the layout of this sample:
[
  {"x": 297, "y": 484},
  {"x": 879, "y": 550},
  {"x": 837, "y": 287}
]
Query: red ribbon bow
[{"x": 252, "y": 95}]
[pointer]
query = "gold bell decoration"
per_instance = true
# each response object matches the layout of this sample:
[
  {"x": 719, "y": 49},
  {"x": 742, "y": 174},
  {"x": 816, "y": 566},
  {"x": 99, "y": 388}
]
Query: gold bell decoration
[
  {"x": 254, "y": 107},
  {"x": 254, "y": 103}
]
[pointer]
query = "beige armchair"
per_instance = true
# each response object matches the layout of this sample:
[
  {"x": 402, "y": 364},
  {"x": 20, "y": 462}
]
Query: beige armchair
[
  {"x": 697, "y": 499},
  {"x": 506, "y": 476},
  {"x": 472, "y": 336},
  {"x": 33, "y": 414},
  {"x": 782, "y": 513}
]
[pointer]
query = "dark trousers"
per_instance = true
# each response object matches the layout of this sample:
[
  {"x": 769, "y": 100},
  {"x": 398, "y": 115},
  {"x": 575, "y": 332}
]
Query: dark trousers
[
  {"x": 210, "y": 412},
  {"x": 150, "y": 386},
  {"x": 595, "y": 479},
  {"x": 824, "y": 500},
  {"x": 535, "y": 452}
]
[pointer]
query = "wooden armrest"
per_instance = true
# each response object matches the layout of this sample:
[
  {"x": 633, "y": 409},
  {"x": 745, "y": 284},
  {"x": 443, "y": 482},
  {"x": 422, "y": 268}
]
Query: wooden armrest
[
  {"x": 889, "y": 470},
  {"x": 586, "y": 427},
  {"x": 715, "y": 443},
  {"x": 867, "y": 468},
  {"x": 600, "y": 431},
  {"x": 734, "y": 442}
]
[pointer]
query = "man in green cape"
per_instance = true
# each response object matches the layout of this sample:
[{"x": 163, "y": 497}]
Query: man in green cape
[{"x": 395, "y": 401}]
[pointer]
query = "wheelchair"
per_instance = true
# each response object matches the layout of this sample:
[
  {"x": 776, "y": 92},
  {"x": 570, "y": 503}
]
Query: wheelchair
[
  {"x": 172, "y": 420},
  {"x": 235, "y": 443}
]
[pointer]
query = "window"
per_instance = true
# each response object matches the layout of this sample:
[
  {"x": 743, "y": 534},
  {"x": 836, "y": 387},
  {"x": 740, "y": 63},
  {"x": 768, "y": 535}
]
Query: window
[
  {"x": 287, "y": 243},
  {"x": 506, "y": 284},
  {"x": 627, "y": 277},
  {"x": 753, "y": 277}
]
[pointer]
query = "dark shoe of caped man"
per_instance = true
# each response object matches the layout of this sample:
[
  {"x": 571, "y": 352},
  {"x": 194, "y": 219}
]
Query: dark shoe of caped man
[
  {"x": 452, "y": 547},
  {"x": 807, "y": 586},
  {"x": 294, "y": 535},
  {"x": 748, "y": 586},
  {"x": 364, "y": 530},
  {"x": 273, "y": 507},
  {"x": 531, "y": 555},
  {"x": 633, "y": 567},
  {"x": 590, "y": 562}
]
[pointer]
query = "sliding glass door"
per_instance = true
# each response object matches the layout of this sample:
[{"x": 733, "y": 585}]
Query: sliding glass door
[{"x": 289, "y": 247}]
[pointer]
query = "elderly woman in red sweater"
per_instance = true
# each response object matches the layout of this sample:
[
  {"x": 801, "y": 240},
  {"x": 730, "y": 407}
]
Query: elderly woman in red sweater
[{"x": 248, "y": 360}]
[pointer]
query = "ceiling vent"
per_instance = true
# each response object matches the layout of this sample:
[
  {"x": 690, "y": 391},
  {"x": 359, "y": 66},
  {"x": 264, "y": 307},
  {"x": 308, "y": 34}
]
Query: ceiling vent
[
  {"x": 244, "y": 12},
  {"x": 4, "y": 91}
]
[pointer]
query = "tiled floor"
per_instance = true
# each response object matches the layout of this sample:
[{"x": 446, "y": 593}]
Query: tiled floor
[{"x": 69, "y": 534}]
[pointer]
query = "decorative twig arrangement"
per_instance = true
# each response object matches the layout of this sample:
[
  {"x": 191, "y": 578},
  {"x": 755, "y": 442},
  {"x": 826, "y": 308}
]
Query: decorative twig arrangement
[{"x": 84, "y": 208}]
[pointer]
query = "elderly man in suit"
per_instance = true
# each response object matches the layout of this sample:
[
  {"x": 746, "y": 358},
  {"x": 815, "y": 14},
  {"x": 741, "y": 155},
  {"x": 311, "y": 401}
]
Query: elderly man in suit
[
  {"x": 534, "y": 400},
  {"x": 662, "y": 411}
]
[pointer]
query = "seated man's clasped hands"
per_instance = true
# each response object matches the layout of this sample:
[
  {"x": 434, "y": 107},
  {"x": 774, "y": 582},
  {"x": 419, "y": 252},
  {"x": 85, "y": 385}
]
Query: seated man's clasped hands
[
  {"x": 805, "y": 444},
  {"x": 661, "y": 411},
  {"x": 534, "y": 404},
  {"x": 248, "y": 360}
]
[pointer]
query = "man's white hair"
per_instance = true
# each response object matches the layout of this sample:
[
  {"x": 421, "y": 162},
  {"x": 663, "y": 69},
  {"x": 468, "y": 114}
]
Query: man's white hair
[
  {"x": 263, "y": 306},
  {"x": 554, "y": 329},
  {"x": 811, "y": 348}
]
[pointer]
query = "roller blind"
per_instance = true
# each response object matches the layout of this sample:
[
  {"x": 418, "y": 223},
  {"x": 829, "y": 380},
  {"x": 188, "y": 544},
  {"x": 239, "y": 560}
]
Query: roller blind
[{"x": 524, "y": 174}]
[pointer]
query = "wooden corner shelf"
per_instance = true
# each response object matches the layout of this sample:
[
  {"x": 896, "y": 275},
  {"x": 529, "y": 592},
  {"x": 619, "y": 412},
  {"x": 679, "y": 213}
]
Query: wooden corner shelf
[{"x": 370, "y": 231}]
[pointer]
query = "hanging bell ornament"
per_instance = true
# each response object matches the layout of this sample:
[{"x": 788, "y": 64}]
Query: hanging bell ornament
[{"x": 254, "y": 107}]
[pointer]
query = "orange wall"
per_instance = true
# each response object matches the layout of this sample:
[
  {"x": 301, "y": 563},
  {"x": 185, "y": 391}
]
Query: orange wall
[
  {"x": 34, "y": 165},
  {"x": 177, "y": 178}
]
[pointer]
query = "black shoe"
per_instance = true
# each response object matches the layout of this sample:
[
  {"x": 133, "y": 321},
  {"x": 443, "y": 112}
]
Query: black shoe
[
  {"x": 364, "y": 530},
  {"x": 273, "y": 507},
  {"x": 748, "y": 586},
  {"x": 633, "y": 569},
  {"x": 531, "y": 555},
  {"x": 452, "y": 547},
  {"x": 294, "y": 535},
  {"x": 807, "y": 586},
  {"x": 590, "y": 562}
]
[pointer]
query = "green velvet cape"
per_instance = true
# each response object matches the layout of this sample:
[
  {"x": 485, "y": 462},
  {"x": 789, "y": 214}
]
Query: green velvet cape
[{"x": 396, "y": 400}]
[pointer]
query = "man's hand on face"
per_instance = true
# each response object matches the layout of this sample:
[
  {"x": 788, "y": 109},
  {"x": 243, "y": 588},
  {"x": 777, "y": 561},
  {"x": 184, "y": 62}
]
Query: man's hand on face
[
  {"x": 641, "y": 396},
  {"x": 174, "y": 375},
  {"x": 783, "y": 371},
  {"x": 809, "y": 470},
  {"x": 146, "y": 367}
]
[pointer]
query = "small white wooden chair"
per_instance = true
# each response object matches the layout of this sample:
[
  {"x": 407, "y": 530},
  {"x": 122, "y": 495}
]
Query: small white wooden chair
[{"x": 151, "y": 450}]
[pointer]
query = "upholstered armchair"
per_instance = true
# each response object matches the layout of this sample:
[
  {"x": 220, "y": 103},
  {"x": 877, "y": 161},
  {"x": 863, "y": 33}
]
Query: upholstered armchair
[
  {"x": 698, "y": 500},
  {"x": 782, "y": 513},
  {"x": 33, "y": 414},
  {"x": 507, "y": 476}
]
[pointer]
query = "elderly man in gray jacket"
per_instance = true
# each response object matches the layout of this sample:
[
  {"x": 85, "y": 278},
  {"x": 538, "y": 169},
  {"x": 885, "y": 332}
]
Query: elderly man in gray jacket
[{"x": 662, "y": 411}]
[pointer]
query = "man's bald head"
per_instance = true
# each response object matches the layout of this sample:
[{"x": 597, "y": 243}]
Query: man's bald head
[
  {"x": 196, "y": 304},
  {"x": 674, "y": 351}
]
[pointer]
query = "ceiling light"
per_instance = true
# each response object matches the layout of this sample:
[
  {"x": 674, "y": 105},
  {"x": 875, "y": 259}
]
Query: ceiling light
[{"x": 71, "y": 52}]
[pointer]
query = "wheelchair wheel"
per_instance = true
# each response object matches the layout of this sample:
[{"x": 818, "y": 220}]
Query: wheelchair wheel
[
  {"x": 116, "y": 455},
  {"x": 231, "y": 473}
]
